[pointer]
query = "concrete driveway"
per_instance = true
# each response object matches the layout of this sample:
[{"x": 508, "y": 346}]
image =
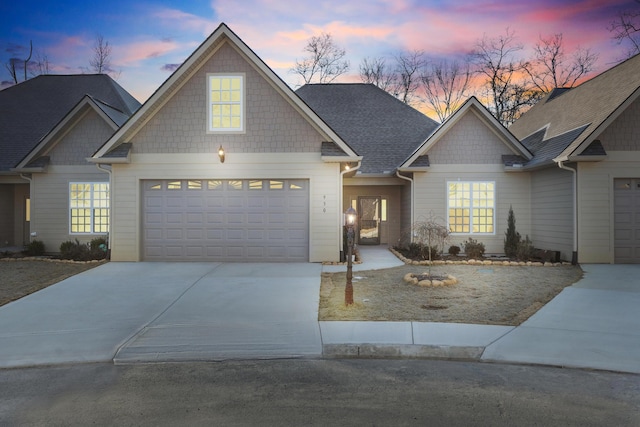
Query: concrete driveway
[{"x": 170, "y": 311}]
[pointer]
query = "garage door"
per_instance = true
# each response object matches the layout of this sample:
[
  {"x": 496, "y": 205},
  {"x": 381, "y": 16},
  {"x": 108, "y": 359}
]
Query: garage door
[
  {"x": 226, "y": 220},
  {"x": 627, "y": 221}
]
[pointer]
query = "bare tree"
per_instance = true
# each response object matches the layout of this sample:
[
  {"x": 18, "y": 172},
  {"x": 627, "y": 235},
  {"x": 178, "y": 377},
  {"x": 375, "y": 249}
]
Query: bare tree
[
  {"x": 409, "y": 67},
  {"x": 100, "y": 62},
  {"x": 12, "y": 65},
  {"x": 552, "y": 69},
  {"x": 445, "y": 85},
  {"x": 626, "y": 29},
  {"x": 376, "y": 71},
  {"x": 326, "y": 60},
  {"x": 508, "y": 95},
  {"x": 41, "y": 65}
]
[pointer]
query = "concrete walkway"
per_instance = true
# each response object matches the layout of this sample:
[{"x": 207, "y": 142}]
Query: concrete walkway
[{"x": 146, "y": 312}]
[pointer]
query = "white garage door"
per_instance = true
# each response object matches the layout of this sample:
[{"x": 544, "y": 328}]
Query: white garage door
[
  {"x": 226, "y": 220},
  {"x": 627, "y": 221}
]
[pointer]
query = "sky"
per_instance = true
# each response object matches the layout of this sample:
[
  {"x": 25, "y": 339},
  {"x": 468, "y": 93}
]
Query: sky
[{"x": 149, "y": 38}]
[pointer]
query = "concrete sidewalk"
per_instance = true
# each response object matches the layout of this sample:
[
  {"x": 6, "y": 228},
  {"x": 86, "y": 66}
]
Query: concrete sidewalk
[{"x": 148, "y": 312}]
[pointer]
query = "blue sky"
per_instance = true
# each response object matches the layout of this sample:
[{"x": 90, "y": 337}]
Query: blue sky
[{"x": 149, "y": 37}]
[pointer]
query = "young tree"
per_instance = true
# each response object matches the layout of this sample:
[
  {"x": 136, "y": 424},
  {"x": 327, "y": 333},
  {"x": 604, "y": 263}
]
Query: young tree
[
  {"x": 512, "y": 237},
  {"x": 508, "y": 95},
  {"x": 100, "y": 62},
  {"x": 445, "y": 86},
  {"x": 626, "y": 29},
  {"x": 326, "y": 60},
  {"x": 41, "y": 65},
  {"x": 552, "y": 69}
]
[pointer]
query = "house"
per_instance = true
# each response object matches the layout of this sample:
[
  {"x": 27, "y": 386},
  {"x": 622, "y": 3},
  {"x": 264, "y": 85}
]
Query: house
[
  {"x": 225, "y": 162},
  {"x": 49, "y": 125},
  {"x": 585, "y": 175}
]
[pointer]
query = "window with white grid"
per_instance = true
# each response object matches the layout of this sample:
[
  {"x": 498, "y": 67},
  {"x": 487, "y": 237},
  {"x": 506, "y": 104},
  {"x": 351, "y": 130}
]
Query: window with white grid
[
  {"x": 471, "y": 207},
  {"x": 89, "y": 207},
  {"x": 225, "y": 103}
]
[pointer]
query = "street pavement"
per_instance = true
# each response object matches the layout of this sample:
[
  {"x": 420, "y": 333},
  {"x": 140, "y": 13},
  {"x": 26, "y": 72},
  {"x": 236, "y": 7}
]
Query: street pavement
[{"x": 155, "y": 312}]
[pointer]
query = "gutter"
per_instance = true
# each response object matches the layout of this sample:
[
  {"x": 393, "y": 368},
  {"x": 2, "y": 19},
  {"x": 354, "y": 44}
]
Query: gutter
[
  {"x": 406, "y": 178},
  {"x": 574, "y": 256}
]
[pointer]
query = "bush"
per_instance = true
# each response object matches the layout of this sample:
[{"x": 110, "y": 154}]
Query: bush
[
  {"x": 435, "y": 254},
  {"x": 525, "y": 249},
  {"x": 414, "y": 250},
  {"x": 473, "y": 248},
  {"x": 454, "y": 250},
  {"x": 83, "y": 252},
  {"x": 35, "y": 248}
]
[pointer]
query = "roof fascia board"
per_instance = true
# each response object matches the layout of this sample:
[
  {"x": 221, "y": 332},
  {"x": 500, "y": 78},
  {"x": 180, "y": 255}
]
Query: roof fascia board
[
  {"x": 341, "y": 159},
  {"x": 63, "y": 127}
]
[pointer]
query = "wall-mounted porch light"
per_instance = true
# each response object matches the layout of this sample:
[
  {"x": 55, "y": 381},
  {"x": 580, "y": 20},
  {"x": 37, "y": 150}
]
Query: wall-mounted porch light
[{"x": 221, "y": 154}]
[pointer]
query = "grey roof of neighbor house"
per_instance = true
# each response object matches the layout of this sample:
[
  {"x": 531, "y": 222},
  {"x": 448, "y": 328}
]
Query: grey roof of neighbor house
[
  {"x": 375, "y": 124},
  {"x": 31, "y": 109},
  {"x": 557, "y": 125}
]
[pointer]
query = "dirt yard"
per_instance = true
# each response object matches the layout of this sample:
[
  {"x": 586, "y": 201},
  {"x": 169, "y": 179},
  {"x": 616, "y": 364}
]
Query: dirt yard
[
  {"x": 489, "y": 295},
  {"x": 21, "y": 278}
]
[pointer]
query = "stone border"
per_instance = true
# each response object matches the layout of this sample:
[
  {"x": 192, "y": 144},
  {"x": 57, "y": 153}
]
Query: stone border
[
  {"x": 63, "y": 261},
  {"x": 477, "y": 262}
]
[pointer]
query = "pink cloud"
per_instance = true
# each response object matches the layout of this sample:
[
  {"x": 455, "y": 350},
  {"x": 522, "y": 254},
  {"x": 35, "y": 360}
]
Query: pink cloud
[
  {"x": 186, "y": 21},
  {"x": 134, "y": 53}
]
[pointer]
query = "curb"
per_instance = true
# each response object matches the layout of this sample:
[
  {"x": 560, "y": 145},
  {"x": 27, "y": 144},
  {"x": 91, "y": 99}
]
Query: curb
[{"x": 407, "y": 351}]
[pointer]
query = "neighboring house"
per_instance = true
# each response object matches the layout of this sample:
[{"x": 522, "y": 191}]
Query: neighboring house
[
  {"x": 224, "y": 162},
  {"x": 49, "y": 126},
  {"x": 585, "y": 175}
]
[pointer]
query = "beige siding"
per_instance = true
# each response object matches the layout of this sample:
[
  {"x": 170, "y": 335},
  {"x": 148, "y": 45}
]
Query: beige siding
[
  {"x": 50, "y": 203},
  {"x": 512, "y": 189},
  {"x": 595, "y": 203},
  {"x": 552, "y": 211},
  {"x": 324, "y": 233},
  {"x": 272, "y": 124},
  {"x": 469, "y": 141},
  {"x": 86, "y": 136}
]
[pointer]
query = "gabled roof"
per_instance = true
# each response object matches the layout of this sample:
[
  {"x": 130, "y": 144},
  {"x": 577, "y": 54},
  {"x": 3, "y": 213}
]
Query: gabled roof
[
  {"x": 198, "y": 58},
  {"x": 472, "y": 104},
  {"x": 112, "y": 117},
  {"x": 591, "y": 107},
  {"x": 377, "y": 125},
  {"x": 31, "y": 109}
]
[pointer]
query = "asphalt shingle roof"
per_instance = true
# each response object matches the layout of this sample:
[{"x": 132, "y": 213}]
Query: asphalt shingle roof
[
  {"x": 584, "y": 108},
  {"x": 375, "y": 124},
  {"x": 29, "y": 110}
]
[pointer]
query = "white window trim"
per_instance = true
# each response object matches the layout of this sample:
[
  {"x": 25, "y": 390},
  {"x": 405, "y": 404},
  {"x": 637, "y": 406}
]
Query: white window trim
[
  {"x": 243, "y": 102},
  {"x": 471, "y": 232},
  {"x": 92, "y": 207}
]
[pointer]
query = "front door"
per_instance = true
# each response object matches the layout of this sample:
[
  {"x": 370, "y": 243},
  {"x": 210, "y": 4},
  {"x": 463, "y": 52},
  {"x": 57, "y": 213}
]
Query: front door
[{"x": 369, "y": 224}]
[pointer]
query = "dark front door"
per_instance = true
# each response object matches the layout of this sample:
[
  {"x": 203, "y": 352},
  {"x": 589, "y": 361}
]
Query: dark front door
[{"x": 369, "y": 223}]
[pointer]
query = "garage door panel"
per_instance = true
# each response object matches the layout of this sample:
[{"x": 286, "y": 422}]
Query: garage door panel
[
  {"x": 627, "y": 220},
  {"x": 226, "y": 220}
]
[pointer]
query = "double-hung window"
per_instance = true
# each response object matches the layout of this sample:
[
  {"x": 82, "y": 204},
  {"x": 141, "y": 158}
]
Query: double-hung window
[
  {"x": 225, "y": 103},
  {"x": 89, "y": 207},
  {"x": 471, "y": 207}
]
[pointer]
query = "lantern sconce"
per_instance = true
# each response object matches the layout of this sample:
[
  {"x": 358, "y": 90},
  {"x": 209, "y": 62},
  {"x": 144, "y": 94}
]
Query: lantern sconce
[{"x": 221, "y": 154}]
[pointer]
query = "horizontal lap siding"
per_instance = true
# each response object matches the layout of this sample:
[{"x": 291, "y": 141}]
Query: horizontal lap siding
[
  {"x": 50, "y": 203},
  {"x": 323, "y": 192},
  {"x": 552, "y": 211},
  {"x": 595, "y": 204},
  {"x": 512, "y": 189}
]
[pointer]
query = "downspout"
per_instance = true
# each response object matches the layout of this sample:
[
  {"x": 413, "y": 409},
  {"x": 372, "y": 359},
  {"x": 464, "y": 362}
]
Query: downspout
[
  {"x": 574, "y": 256},
  {"x": 111, "y": 206},
  {"x": 341, "y": 195},
  {"x": 406, "y": 178}
]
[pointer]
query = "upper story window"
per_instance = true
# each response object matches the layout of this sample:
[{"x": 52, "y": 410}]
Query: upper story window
[
  {"x": 471, "y": 207},
  {"x": 225, "y": 103}
]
